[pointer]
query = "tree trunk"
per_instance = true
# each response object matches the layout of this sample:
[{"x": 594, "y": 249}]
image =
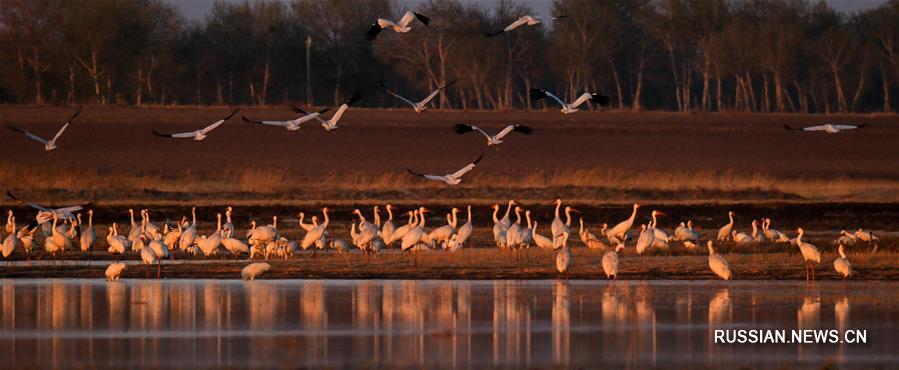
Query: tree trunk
[
  {"x": 138, "y": 97},
  {"x": 706, "y": 91},
  {"x": 885, "y": 79},
  {"x": 779, "y": 92},
  {"x": 617, "y": 84},
  {"x": 752, "y": 103},
  {"x": 638, "y": 91},
  {"x": 718, "y": 101},
  {"x": 70, "y": 97},
  {"x": 670, "y": 46},
  {"x": 766, "y": 105},
  {"x": 838, "y": 88}
]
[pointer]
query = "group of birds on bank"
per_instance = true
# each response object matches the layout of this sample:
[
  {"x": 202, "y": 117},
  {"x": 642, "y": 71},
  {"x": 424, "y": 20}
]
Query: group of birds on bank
[{"x": 64, "y": 229}]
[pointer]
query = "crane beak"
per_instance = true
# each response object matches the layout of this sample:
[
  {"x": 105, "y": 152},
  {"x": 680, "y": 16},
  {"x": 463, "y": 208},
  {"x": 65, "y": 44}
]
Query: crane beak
[
  {"x": 661, "y": 213},
  {"x": 575, "y": 210}
]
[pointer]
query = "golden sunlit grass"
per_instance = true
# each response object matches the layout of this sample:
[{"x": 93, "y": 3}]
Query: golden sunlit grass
[{"x": 592, "y": 184}]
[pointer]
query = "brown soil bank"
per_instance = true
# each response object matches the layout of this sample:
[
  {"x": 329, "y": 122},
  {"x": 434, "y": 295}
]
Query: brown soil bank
[
  {"x": 494, "y": 264},
  {"x": 109, "y": 154}
]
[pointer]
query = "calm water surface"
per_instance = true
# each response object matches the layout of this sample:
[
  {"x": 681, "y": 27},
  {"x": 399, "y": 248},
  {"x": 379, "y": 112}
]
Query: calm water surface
[{"x": 458, "y": 324}]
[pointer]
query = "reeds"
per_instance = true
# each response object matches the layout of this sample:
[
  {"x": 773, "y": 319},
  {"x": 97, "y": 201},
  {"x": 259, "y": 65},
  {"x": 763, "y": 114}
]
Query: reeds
[{"x": 583, "y": 183}]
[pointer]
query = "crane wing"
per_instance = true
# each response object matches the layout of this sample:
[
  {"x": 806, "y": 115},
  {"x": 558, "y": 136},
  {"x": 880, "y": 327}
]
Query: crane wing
[
  {"x": 466, "y": 169},
  {"x": 269, "y": 123},
  {"x": 28, "y": 134},
  {"x": 218, "y": 123},
  {"x": 59, "y": 133},
  {"x": 848, "y": 127},
  {"x": 505, "y": 132},
  {"x": 397, "y": 96},
  {"x": 556, "y": 98},
  {"x": 518, "y": 23},
  {"x": 433, "y": 94},
  {"x": 582, "y": 99},
  {"x": 407, "y": 18}
]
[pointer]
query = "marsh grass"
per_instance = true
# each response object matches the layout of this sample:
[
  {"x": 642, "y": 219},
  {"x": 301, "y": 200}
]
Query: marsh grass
[{"x": 587, "y": 185}]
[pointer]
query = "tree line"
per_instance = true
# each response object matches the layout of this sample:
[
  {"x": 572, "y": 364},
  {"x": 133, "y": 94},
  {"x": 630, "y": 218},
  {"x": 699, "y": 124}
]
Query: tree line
[{"x": 681, "y": 55}]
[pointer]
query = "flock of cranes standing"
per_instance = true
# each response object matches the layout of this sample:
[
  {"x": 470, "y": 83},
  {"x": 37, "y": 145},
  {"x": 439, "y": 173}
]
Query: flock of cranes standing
[{"x": 64, "y": 229}]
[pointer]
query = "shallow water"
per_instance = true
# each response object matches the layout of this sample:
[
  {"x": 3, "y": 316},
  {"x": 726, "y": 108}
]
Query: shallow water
[{"x": 465, "y": 324}]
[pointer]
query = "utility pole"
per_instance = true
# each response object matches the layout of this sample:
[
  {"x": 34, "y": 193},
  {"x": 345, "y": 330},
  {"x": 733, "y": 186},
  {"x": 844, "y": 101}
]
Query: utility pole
[{"x": 309, "y": 100}]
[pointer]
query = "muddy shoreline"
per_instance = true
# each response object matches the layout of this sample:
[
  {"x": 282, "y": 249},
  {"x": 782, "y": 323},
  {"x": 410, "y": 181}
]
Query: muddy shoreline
[{"x": 483, "y": 264}]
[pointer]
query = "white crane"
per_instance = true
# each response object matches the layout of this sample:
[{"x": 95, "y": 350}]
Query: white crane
[
  {"x": 725, "y": 230},
  {"x": 388, "y": 227},
  {"x": 660, "y": 238},
  {"x": 114, "y": 271},
  {"x": 557, "y": 225},
  {"x": 235, "y": 246},
  {"x": 741, "y": 238},
  {"x": 513, "y": 233},
  {"x": 645, "y": 240},
  {"x": 756, "y": 235},
  {"x": 541, "y": 241},
  {"x": 529, "y": 20},
  {"x": 866, "y": 236},
  {"x": 495, "y": 139},
  {"x": 135, "y": 230},
  {"x": 49, "y": 145},
  {"x": 828, "y": 128},
  {"x": 331, "y": 124},
  {"x": 149, "y": 258},
  {"x": 445, "y": 232},
  {"x": 189, "y": 235},
  {"x": 117, "y": 243},
  {"x": 685, "y": 232},
  {"x": 10, "y": 223},
  {"x": 602, "y": 100},
  {"x": 291, "y": 125},
  {"x": 451, "y": 179},
  {"x": 367, "y": 231},
  {"x": 228, "y": 226},
  {"x": 148, "y": 227},
  {"x": 617, "y": 234},
  {"x": 265, "y": 234},
  {"x": 46, "y": 214},
  {"x": 462, "y": 234},
  {"x": 809, "y": 253},
  {"x": 317, "y": 232},
  {"x": 88, "y": 235},
  {"x": 422, "y": 105},
  {"x": 12, "y": 241},
  {"x": 841, "y": 264},
  {"x": 773, "y": 235},
  {"x": 398, "y": 233},
  {"x": 211, "y": 244},
  {"x": 254, "y": 270},
  {"x": 416, "y": 233},
  {"x": 399, "y": 27},
  {"x": 588, "y": 238},
  {"x": 610, "y": 262},
  {"x": 718, "y": 264},
  {"x": 197, "y": 135}
]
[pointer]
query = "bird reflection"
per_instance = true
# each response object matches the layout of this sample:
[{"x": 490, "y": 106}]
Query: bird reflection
[
  {"x": 809, "y": 314},
  {"x": 720, "y": 309},
  {"x": 561, "y": 323}
]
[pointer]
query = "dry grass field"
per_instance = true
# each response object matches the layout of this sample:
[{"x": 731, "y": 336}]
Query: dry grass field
[{"x": 109, "y": 155}]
